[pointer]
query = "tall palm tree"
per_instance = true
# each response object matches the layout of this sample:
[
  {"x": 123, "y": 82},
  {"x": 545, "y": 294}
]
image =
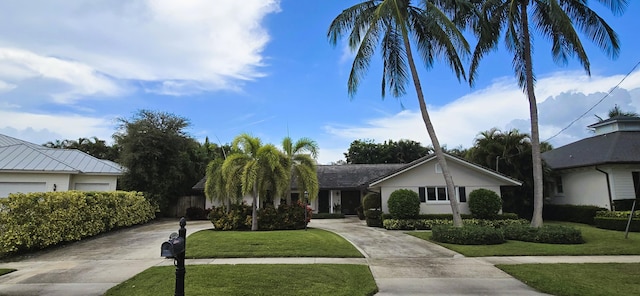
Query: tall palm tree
[
  {"x": 556, "y": 20},
  {"x": 301, "y": 156},
  {"x": 257, "y": 169},
  {"x": 214, "y": 186},
  {"x": 397, "y": 25}
]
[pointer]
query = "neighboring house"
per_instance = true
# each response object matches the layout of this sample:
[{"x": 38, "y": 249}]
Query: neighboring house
[
  {"x": 345, "y": 185},
  {"x": 27, "y": 167},
  {"x": 597, "y": 170}
]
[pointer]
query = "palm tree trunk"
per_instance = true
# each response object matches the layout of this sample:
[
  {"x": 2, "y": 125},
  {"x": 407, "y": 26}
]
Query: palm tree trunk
[
  {"x": 536, "y": 220},
  {"x": 457, "y": 220},
  {"x": 254, "y": 210}
]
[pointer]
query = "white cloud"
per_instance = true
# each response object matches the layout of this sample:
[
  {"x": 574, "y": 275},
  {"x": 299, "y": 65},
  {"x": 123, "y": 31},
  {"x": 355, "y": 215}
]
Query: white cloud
[
  {"x": 41, "y": 128},
  {"x": 503, "y": 105},
  {"x": 22, "y": 67},
  {"x": 87, "y": 45}
]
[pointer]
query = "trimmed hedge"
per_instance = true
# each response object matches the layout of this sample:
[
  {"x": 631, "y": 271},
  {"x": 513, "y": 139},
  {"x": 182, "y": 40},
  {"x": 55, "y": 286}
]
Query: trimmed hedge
[
  {"x": 373, "y": 218},
  {"x": 38, "y": 220},
  {"x": 618, "y": 214},
  {"x": 468, "y": 235},
  {"x": 372, "y": 200},
  {"x": 484, "y": 203},
  {"x": 285, "y": 217},
  {"x": 328, "y": 216},
  {"x": 428, "y": 224},
  {"x": 620, "y": 224},
  {"x": 624, "y": 204},
  {"x": 503, "y": 216},
  {"x": 404, "y": 204},
  {"x": 549, "y": 234},
  {"x": 571, "y": 213}
]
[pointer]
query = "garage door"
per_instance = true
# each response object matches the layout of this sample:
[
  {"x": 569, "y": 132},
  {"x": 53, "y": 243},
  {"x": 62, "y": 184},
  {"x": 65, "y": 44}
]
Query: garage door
[
  {"x": 23, "y": 187},
  {"x": 92, "y": 186}
]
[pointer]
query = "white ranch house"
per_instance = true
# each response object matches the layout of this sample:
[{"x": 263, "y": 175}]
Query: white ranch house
[
  {"x": 598, "y": 170},
  {"x": 344, "y": 186},
  {"x": 27, "y": 167}
]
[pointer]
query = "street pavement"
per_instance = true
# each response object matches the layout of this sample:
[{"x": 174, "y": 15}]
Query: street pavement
[{"x": 401, "y": 264}]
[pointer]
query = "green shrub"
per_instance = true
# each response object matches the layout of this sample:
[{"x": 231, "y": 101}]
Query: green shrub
[
  {"x": 617, "y": 214},
  {"x": 619, "y": 224},
  {"x": 373, "y": 217},
  {"x": 468, "y": 235},
  {"x": 404, "y": 204},
  {"x": 549, "y": 234},
  {"x": 360, "y": 212},
  {"x": 571, "y": 213},
  {"x": 371, "y": 200},
  {"x": 428, "y": 224},
  {"x": 328, "y": 216},
  {"x": 484, "y": 204},
  {"x": 503, "y": 216},
  {"x": 285, "y": 217},
  {"x": 38, "y": 220},
  {"x": 196, "y": 213}
]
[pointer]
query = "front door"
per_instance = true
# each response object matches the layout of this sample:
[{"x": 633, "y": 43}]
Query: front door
[
  {"x": 350, "y": 201},
  {"x": 323, "y": 201}
]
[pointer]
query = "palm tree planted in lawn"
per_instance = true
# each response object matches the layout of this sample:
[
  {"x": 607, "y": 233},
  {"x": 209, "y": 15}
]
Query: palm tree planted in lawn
[
  {"x": 556, "y": 20},
  {"x": 395, "y": 26},
  {"x": 301, "y": 156},
  {"x": 259, "y": 170}
]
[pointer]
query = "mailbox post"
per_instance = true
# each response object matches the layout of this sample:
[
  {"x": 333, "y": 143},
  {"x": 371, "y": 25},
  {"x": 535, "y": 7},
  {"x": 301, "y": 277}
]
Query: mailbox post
[{"x": 175, "y": 248}]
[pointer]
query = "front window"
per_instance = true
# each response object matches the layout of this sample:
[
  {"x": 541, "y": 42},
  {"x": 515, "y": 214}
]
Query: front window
[
  {"x": 440, "y": 194},
  {"x": 559, "y": 187}
]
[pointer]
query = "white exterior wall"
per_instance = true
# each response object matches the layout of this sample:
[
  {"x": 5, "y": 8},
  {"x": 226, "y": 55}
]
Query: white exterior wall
[
  {"x": 588, "y": 186},
  {"x": 622, "y": 181},
  {"x": 585, "y": 186},
  {"x": 61, "y": 181},
  {"x": 426, "y": 176}
]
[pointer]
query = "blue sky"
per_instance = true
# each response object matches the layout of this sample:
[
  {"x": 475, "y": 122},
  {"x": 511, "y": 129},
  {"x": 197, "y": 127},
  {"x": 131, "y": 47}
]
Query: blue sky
[{"x": 70, "y": 69}]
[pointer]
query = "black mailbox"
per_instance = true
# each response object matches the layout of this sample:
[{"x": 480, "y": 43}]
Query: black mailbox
[{"x": 172, "y": 247}]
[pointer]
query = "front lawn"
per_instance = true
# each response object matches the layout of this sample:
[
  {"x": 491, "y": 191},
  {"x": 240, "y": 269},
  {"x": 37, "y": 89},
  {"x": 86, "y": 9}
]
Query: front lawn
[
  {"x": 587, "y": 279},
  {"x": 5, "y": 271},
  {"x": 597, "y": 242},
  {"x": 259, "y": 279},
  {"x": 253, "y": 244}
]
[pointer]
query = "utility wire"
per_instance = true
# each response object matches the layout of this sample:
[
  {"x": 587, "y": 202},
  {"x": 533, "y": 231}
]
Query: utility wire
[{"x": 596, "y": 104}]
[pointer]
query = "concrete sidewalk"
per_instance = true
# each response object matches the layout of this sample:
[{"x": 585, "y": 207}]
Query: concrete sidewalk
[
  {"x": 405, "y": 265},
  {"x": 401, "y": 264},
  {"x": 92, "y": 266}
]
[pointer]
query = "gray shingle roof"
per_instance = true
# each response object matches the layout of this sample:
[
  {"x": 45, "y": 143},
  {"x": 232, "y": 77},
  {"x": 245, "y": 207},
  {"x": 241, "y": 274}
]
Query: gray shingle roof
[
  {"x": 18, "y": 155},
  {"x": 616, "y": 147},
  {"x": 353, "y": 175}
]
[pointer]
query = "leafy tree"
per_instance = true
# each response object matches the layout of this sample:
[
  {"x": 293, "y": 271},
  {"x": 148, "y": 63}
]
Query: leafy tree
[
  {"x": 159, "y": 157},
  {"x": 92, "y": 146},
  {"x": 259, "y": 170},
  {"x": 403, "y": 151},
  {"x": 398, "y": 25},
  {"x": 556, "y": 20},
  {"x": 617, "y": 112},
  {"x": 301, "y": 156},
  {"x": 508, "y": 153}
]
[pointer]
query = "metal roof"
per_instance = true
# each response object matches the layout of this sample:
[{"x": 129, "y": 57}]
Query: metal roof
[
  {"x": 615, "y": 147},
  {"x": 17, "y": 155}
]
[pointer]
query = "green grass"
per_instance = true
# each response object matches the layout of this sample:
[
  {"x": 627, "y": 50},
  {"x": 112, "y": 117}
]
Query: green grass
[
  {"x": 5, "y": 271},
  {"x": 587, "y": 279},
  {"x": 597, "y": 242},
  {"x": 253, "y": 244},
  {"x": 259, "y": 279}
]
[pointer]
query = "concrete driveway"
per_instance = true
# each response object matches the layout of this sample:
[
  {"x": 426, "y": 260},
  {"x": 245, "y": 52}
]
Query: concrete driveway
[
  {"x": 405, "y": 265},
  {"x": 92, "y": 266},
  {"x": 401, "y": 264}
]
